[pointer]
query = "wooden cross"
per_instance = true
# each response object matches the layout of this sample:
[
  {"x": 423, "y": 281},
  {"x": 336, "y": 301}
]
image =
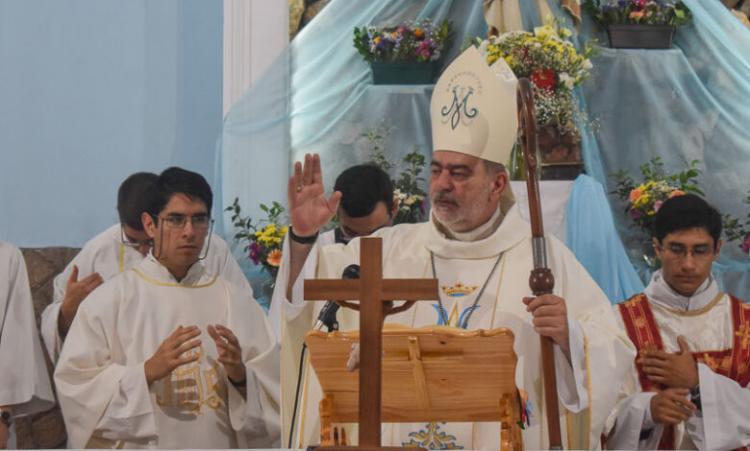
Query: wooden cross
[{"x": 375, "y": 296}]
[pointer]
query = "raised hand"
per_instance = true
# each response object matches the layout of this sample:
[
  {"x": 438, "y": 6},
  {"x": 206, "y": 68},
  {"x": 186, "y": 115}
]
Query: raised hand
[
  {"x": 672, "y": 406},
  {"x": 550, "y": 319},
  {"x": 309, "y": 210},
  {"x": 172, "y": 353},
  {"x": 230, "y": 352},
  {"x": 75, "y": 292},
  {"x": 677, "y": 370}
]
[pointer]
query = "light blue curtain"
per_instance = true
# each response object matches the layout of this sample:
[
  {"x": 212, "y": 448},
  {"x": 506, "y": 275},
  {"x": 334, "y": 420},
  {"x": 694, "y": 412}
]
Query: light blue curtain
[
  {"x": 679, "y": 104},
  {"x": 318, "y": 97},
  {"x": 591, "y": 234}
]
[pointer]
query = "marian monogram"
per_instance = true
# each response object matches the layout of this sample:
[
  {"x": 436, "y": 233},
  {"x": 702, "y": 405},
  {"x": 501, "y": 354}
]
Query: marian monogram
[{"x": 459, "y": 109}]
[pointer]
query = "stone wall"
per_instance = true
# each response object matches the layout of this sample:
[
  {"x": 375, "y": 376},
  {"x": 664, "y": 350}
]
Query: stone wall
[{"x": 44, "y": 430}]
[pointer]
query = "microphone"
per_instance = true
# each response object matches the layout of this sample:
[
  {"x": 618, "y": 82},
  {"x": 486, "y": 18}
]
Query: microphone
[{"x": 327, "y": 315}]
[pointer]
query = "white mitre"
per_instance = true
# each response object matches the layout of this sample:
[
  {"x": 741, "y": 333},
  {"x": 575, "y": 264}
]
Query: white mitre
[{"x": 473, "y": 110}]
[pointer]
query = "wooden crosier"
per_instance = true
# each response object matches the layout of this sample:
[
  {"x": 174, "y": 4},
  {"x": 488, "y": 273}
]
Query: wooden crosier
[
  {"x": 375, "y": 296},
  {"x": 541, "y": 279}
]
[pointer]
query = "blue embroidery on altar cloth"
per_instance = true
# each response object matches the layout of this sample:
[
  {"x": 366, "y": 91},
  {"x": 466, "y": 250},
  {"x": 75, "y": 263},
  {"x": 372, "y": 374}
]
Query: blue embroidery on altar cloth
[
  {"x": 431, "y": 437},
  {"x": 442, "y": 315},
  {"x": 444, "y": 320}
]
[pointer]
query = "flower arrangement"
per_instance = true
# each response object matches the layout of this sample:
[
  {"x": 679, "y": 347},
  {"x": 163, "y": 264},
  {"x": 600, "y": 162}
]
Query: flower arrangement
[
  {"x": 553, "y": 65},
  {"x": 264, "y": 237},
  {"x": 419, "y": 42},
  {"x": 646, "y": 12},
  {"x": 644, "y": 199}
]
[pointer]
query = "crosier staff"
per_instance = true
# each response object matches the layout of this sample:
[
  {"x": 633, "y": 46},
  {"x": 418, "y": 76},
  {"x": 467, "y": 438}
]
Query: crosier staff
[{"x": 541, "y": 279}]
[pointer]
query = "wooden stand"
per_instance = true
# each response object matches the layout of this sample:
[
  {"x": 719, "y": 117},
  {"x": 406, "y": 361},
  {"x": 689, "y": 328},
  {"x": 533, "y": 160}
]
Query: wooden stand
[
  {"x": 435, "y": 374},
  {"x": 375, "y": 296},
  {"x": 429, "y": 374}
]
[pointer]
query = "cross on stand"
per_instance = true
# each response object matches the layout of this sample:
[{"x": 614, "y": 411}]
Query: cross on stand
[{"x": 375, "y": 296}]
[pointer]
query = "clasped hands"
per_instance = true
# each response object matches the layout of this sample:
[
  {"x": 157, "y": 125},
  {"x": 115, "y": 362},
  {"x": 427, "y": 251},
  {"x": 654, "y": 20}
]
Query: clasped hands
[
  {"x": 678, "y": 372},
  {"x": 176, "y": 349}
]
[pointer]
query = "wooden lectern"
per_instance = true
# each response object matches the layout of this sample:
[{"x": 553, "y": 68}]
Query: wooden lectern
[
  {"x": 442, "y": 370},
  {"x": 428, "y": 374}
]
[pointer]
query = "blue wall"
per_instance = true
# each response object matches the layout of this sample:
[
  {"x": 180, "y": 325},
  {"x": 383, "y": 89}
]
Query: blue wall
[{"x": 93, "y": 90}]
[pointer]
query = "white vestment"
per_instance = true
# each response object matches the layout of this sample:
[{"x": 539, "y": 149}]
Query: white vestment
[
  {"x": 705, "y": 321},
  {"x": 106, "y": 255},
  {"x": 100, "y": 377},
  {"x": 462, "y": 268},
  {"x": 24, "y": 382}
]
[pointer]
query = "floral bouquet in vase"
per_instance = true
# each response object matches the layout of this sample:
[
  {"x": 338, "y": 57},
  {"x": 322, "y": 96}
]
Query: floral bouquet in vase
[
  {"x": 408, "y": 53},
  {"x": 555, "y": 67},
  {"x": 263, "y": 238}
]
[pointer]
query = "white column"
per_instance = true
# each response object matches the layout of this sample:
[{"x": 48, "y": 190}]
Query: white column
[{"x": 255, "y": 33}]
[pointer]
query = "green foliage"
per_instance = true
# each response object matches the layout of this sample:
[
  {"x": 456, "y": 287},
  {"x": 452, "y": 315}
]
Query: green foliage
[{"x": 408, "y": 183}]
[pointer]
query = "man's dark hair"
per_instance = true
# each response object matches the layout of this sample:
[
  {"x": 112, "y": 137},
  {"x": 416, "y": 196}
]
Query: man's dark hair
[
  {"x": 176, "y": 180},
  {"x": 134, "y": 197},
  {"x": 362, "y": 187},
  {"x": 687, "y": 212}
]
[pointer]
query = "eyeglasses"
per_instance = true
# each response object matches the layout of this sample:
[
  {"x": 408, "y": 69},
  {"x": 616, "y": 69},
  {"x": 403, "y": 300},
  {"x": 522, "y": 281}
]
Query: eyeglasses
[
  {"x": 127, "y": 241},
  {"x": 680, "y": 252},
  {"x": 177, "y": 221}
]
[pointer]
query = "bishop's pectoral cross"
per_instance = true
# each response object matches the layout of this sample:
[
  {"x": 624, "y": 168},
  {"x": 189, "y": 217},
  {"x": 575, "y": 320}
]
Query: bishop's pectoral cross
[{"x": 375, "y": 296}]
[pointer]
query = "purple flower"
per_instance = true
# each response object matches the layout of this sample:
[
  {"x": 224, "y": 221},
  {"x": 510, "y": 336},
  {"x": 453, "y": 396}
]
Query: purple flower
[
  {"x": 634, "y": 213},
  {"x": 254, "y": 252},
  {"x": 746, "y": 244}
]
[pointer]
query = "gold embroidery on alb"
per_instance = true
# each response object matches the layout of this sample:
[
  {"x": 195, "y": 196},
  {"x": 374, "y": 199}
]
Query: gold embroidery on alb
[{"x": 189, "y": 389}]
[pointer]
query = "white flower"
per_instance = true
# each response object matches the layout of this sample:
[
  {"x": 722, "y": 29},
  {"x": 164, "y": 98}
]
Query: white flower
[
  {"x": 587, "y": 64},
  {"x": 483, "y": 47},
  {"x": 567, "y": 80}
]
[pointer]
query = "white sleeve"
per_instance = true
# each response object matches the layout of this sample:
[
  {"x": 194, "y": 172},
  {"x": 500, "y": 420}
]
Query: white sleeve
[
  {"x": 129, "y": 414},
  {"x": 25, "y": 383},
  {"x": 633, "y": 427},
  {"x": 257, "y": 415},
  {"x": 571, "y": 375},
  {"x": 95, "y": 392},
  {"x": 50, "y": 332},
  {"x": 723, "y": 422},
  {"x": 283, "y": 309}
]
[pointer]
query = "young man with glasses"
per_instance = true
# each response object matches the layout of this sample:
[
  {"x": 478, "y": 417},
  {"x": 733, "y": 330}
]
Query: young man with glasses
[
  {"x": 171, "y": 354},
  {"x": 112, "y": 252},
  {"x": 689, "y": 384}
]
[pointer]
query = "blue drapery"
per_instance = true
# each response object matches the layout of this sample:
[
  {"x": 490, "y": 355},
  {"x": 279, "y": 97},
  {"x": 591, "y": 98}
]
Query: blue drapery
[{"x": 678, "y": 104}]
